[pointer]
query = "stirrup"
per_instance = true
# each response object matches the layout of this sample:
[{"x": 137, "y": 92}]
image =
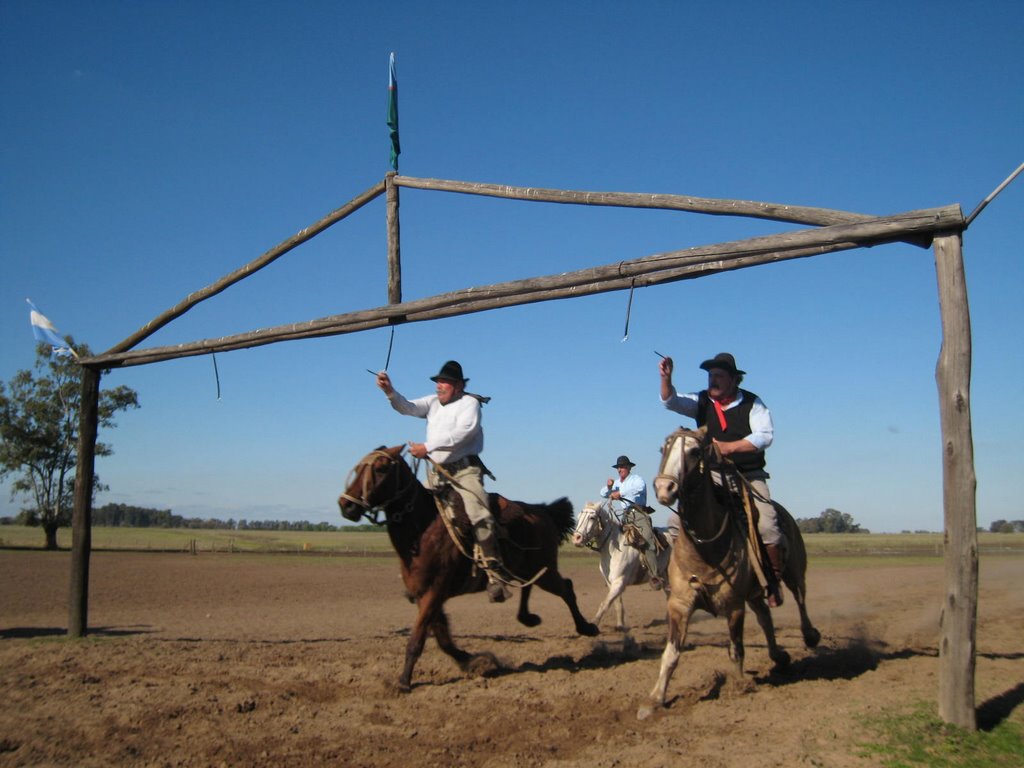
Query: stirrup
[{"x": 774, "y": 594}]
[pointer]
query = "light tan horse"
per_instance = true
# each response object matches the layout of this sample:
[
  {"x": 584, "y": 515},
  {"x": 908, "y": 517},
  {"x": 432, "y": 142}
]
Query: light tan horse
[{"x": 711, "y": 566}]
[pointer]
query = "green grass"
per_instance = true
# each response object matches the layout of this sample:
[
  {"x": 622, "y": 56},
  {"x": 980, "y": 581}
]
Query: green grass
[
  {"x": 180, "y": 539},
  {"x": 822, "y": 548},
  {"x": 920, "y": 738}
]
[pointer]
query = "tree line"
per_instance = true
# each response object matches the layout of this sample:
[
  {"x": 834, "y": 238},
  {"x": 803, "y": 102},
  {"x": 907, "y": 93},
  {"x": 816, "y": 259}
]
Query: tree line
[
  {"x": 127, "y": 516},
  {"x": 830, "y": 521},
  {"x": 1007, "y": 526}
]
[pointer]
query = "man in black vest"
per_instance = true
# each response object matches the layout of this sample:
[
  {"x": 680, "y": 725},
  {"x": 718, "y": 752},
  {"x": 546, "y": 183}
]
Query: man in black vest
[{"x": 741, "y": 424}]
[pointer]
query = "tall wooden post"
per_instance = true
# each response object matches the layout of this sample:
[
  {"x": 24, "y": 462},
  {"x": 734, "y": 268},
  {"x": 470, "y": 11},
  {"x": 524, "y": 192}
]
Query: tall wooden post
[
  {"x": 958, "y": 619},
  {"x": 394, "y": 240},
  {"x": 81, "y": 520}
]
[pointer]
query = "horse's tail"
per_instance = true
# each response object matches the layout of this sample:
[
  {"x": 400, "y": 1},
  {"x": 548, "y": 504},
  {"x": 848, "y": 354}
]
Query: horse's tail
[{"x": 561, "y": 514}]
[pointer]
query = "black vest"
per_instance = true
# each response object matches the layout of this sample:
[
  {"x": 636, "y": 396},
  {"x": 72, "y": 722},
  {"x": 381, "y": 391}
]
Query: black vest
[{"x": 737, "y": 427}]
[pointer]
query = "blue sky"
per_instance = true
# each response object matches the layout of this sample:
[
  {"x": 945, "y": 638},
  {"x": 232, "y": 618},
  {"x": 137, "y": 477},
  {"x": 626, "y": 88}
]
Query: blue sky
[{"x": 150, "y": 148}]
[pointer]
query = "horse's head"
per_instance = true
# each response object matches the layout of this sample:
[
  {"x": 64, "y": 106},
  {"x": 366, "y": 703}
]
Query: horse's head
[
  {"x": 588, "y": 525},
  {"x": 681, "y": 452},
  {"x": 373, "y": 482}
]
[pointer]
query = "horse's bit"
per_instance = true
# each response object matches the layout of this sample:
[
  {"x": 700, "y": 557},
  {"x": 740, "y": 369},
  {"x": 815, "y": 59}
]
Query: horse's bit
[{"x": 372, "y": 512}]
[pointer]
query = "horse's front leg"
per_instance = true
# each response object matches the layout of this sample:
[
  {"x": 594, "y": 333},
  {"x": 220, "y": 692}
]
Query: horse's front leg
[
  {"x": 443, "y": 635},
  {"x": 523, "y": 616},
  {"x": 678, "y": 624},
  {"x": 736, "y": 648},
  {"x": 429, "y": 605},
  {"x": 473, "y": 663},
  {"x": 764, "y": 618},
  {"x": 556, "y": 584},
  {"x": 616, "y": 586}
]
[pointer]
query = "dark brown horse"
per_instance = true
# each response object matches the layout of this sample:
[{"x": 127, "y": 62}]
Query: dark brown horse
[
  {"x": 711, "y": 566},
  {"x": 434, "y": 568}
]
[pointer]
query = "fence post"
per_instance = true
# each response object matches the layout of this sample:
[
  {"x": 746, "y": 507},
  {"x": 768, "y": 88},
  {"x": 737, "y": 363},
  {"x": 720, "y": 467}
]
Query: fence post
[
  {"x": 958, "y": 619},
  {"x": 81, "y": 517}
]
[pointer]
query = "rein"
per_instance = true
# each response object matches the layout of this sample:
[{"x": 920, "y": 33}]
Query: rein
[
  {"x": 372, "y": 512},
  {"x": 604, "y": 532},
  {"x": 702, "y": 469}
]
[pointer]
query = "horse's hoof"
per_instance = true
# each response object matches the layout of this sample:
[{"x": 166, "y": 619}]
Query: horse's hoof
[
  {"x": 529, "y": 620},
  {"x": 401, "y": 687},
  {"x": 811, "y": 638},
  {"x": 589, "y": 630},
  {"x": 781, "y": 662},
  {"x": 645, "y": 712},
  {"x": 482, "y": 664}
]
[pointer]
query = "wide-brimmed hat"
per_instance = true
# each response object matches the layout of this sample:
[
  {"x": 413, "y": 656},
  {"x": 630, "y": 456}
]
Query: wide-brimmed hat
[
  {"x": 623, "y": 461},
  {"x": 450, "y": 371},
  {"x": 722, "y": 360}
]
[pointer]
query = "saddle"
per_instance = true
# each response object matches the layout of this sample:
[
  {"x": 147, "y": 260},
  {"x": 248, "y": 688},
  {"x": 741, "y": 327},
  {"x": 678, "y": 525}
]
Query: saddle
[
  {"x": 449, "y": 504},
  {"x": 635, "y": 538}
]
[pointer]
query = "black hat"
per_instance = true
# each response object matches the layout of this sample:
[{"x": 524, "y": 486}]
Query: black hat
[
  {"x": 623, "y": 461},
  {"x": 450, "y": 371},
  {"x": 722, "y": 360}
]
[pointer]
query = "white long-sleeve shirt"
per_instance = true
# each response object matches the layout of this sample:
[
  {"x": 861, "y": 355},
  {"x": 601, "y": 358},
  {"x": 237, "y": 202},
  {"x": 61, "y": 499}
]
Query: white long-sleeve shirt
[
  {"x": 454, "y": 431},
  {"x": 762, "y": 430}
]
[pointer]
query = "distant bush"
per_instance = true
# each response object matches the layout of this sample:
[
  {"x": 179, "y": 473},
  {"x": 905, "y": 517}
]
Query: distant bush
[
  {"x": 127, "y": 516},
  {"x": 1007, "y": 526},
  {"x": 830, "y": 521}
]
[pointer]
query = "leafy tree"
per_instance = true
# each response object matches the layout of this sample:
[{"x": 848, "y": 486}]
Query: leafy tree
[
  {"x": 830, "y": 521},
  {"x": 1006, "y": 526},
  {"x": 39, "y": 435}
]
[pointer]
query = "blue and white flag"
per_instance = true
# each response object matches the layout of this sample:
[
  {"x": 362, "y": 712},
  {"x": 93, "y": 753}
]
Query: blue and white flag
[{"x": 44, "y": 331}]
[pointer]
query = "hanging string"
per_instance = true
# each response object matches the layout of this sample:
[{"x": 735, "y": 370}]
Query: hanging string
[
  {"x": 629, "y": 308},
  {"x": 390, "y": 342},
  {"x": 216, "y": 373}
]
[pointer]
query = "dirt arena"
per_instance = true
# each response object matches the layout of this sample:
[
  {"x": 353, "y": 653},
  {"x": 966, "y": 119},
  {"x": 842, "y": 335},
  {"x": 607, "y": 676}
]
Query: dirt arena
[{"x": 244, "y": 660}]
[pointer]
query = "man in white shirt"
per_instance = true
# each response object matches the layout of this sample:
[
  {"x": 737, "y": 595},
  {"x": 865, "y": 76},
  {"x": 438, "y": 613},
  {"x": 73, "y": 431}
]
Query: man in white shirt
[
  {"x": 454, "y": 441},
  {"x": 631, "y": 487}
]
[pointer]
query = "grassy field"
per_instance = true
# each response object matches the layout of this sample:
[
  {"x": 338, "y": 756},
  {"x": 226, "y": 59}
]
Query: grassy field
[{"x": 819, "y": 545}]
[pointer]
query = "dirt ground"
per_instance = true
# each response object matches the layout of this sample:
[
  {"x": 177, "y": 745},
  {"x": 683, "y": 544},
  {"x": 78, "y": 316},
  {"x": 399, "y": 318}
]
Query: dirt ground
[{"x": 243, "y": 660}]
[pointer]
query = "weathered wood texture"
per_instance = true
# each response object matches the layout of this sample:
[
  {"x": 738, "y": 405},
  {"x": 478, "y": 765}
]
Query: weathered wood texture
[
  {"x": 761, "y": 210},
  {"x": 649, "y": 270},
  {"x": 394, "y": 242},
  {"x": 252, "y": 267},
  {"x": 81, "y": 516},
  {"x": 958, "y": 622}
]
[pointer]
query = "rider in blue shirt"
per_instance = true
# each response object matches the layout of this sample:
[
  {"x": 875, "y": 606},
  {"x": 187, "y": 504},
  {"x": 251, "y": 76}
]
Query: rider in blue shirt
[{"x": 631, "y": 488}]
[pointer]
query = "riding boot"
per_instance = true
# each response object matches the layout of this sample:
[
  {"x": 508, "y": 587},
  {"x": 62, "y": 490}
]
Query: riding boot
[
  {"x": 651, "y": 560},
  {"x": 775, "y": 584},
  {"x": 496, "y": 590}
]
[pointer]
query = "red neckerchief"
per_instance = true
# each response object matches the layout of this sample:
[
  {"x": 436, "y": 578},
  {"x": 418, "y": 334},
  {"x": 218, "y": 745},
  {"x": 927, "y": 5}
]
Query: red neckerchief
[{"x": 719, "y": 405}]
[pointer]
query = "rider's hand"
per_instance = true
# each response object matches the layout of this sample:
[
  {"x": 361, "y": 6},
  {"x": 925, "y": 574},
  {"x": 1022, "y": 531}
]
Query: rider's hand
[
  {"x": 665, "y": 367},
  {"x": 384, "y": 382},
  {"x": 418, "y": 450}
]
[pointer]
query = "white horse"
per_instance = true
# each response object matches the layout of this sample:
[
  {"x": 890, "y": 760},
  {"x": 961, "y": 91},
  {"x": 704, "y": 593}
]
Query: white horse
[{"x": 621, "y": 564}]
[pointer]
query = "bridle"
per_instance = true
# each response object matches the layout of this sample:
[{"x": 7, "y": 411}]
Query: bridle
[
  {"x": 366, "y": 470},
  {"x": 597, "y": 541},
  {"x": 701, "y": 468}
]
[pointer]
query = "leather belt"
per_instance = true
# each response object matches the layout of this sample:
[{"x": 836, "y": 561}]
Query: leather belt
[{"x": 460, "y": 464}]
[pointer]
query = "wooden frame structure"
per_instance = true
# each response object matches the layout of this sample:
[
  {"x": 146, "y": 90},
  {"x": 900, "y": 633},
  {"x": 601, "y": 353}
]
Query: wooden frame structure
[{"x": 939, "y": 228}]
